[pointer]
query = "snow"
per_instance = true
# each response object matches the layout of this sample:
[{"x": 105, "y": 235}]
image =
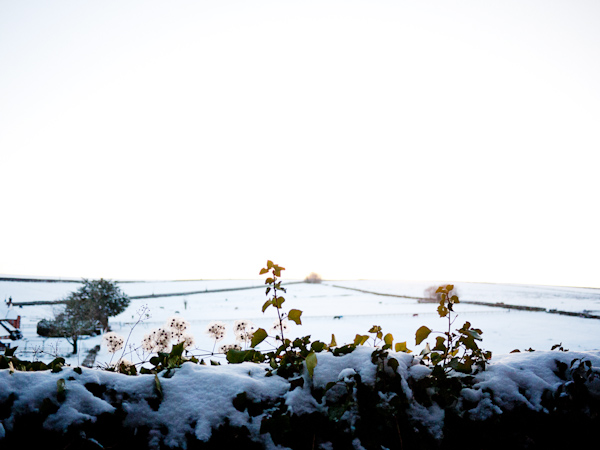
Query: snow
[
  {"x": 198, "y": 397},
  {"x": 326, "y": 310}
]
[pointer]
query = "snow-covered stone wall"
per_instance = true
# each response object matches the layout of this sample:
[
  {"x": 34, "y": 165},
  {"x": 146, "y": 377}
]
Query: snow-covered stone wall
[{"x": 357, "y": 400}]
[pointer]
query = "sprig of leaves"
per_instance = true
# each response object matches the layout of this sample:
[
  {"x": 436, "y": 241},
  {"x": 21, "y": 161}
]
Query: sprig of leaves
[{"x": 453, "y": 350}]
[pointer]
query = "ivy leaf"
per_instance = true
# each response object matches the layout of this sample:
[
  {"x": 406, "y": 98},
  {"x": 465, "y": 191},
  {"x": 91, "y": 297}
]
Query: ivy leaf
[
  {"x": 269, "y": 280},
  {"x": 294, "y": 316},
  {"x": 278, "y": 301},
  {"x": 311, "y": 363},
  {"x": 269, "y": 264},
  {"x": 258, "y": 336},
  {"x": 239, "y": 356},
  {"x": 422, "y": 334},
  {"x": 317, "y": 346},
  {"x": 263, "y": 271}
]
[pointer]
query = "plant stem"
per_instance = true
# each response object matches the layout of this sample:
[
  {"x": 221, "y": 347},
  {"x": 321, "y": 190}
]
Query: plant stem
[
  {"x": 278, "y": 308},
  {"x": 449, "y": 324}
]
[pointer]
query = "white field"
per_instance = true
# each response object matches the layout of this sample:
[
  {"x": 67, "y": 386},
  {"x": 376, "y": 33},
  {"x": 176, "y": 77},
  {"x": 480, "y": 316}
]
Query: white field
[{"x": 326, "y": 310}]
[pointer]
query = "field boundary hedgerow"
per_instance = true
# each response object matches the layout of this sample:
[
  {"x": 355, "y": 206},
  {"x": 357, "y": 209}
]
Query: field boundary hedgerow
[
  {"x": 502, "y": 305},
  {"x": 147, "y": 296}
]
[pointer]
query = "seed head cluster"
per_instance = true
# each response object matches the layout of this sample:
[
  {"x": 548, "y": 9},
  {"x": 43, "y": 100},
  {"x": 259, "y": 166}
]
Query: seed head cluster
[
  {"x": 216, "y": 330},
  {"x": 114, "y": 342},
  {"x": 226, "y": 347},
  {"x": 243, "y": 330},
  {"x": 159, "y": 340},
  {"x": 276, "y": 328}
]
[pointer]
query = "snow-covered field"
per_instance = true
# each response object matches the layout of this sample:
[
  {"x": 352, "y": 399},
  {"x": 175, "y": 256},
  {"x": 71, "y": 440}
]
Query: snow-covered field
[
  {"x": 328, "y": 308},
  {"x": 197, "y": 398}
]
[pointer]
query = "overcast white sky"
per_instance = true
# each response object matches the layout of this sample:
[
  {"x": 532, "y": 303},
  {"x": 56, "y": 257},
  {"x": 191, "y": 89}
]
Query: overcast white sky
[{"x": 428, "y": 140}]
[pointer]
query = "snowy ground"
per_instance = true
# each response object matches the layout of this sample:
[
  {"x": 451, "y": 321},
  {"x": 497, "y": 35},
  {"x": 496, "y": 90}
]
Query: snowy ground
[{"x": 328, "y": 310}]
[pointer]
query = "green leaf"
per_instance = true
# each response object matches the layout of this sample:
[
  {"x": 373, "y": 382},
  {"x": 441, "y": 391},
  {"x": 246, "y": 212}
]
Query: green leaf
[
  {"x": 360, "y": 339},
  {"x": 401, "y": 347},
  {"x": 333, "y": 342},
  {"x": 375, "y": 329},
  {"x": 56, "y": 364},
  {"x": 278, "y": 301},
  {"x": 238, "y": 356},
  {"x": 294, "y": 316},
  {"x": 267, "y": 304},
  {"x": 388, "y": 339},
  {"x": 440, "y": 344},
  {"x": 422, "y": 334},
  {"x": 158, "y": 387},
  {"x": 436, "y": 358},
  {"x": 61, "y": 390},
  {"x": 311, "y": 363},
  {"x": 258, "y": 336},
  {"x": 442, "y": 311},
  {"x": 177, "y": 351},
  {"x": 393, "y": 363},
  {"x": 318, "y": 346}
]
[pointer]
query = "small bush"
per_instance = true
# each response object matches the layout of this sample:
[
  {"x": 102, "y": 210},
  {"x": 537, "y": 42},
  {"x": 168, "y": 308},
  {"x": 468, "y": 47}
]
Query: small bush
[{"x": 313, "y": 278}]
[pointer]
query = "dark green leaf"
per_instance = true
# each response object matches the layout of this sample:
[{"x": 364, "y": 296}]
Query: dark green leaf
[
  {"x": 294, "y": 316},
  {"x": 422, "y": 334},
  {"x": 267, "y": 304},
  {"x": 278, "y": 301},
  {"x": 61, "y": 390},
  {"x": 258, "y": 336}
]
